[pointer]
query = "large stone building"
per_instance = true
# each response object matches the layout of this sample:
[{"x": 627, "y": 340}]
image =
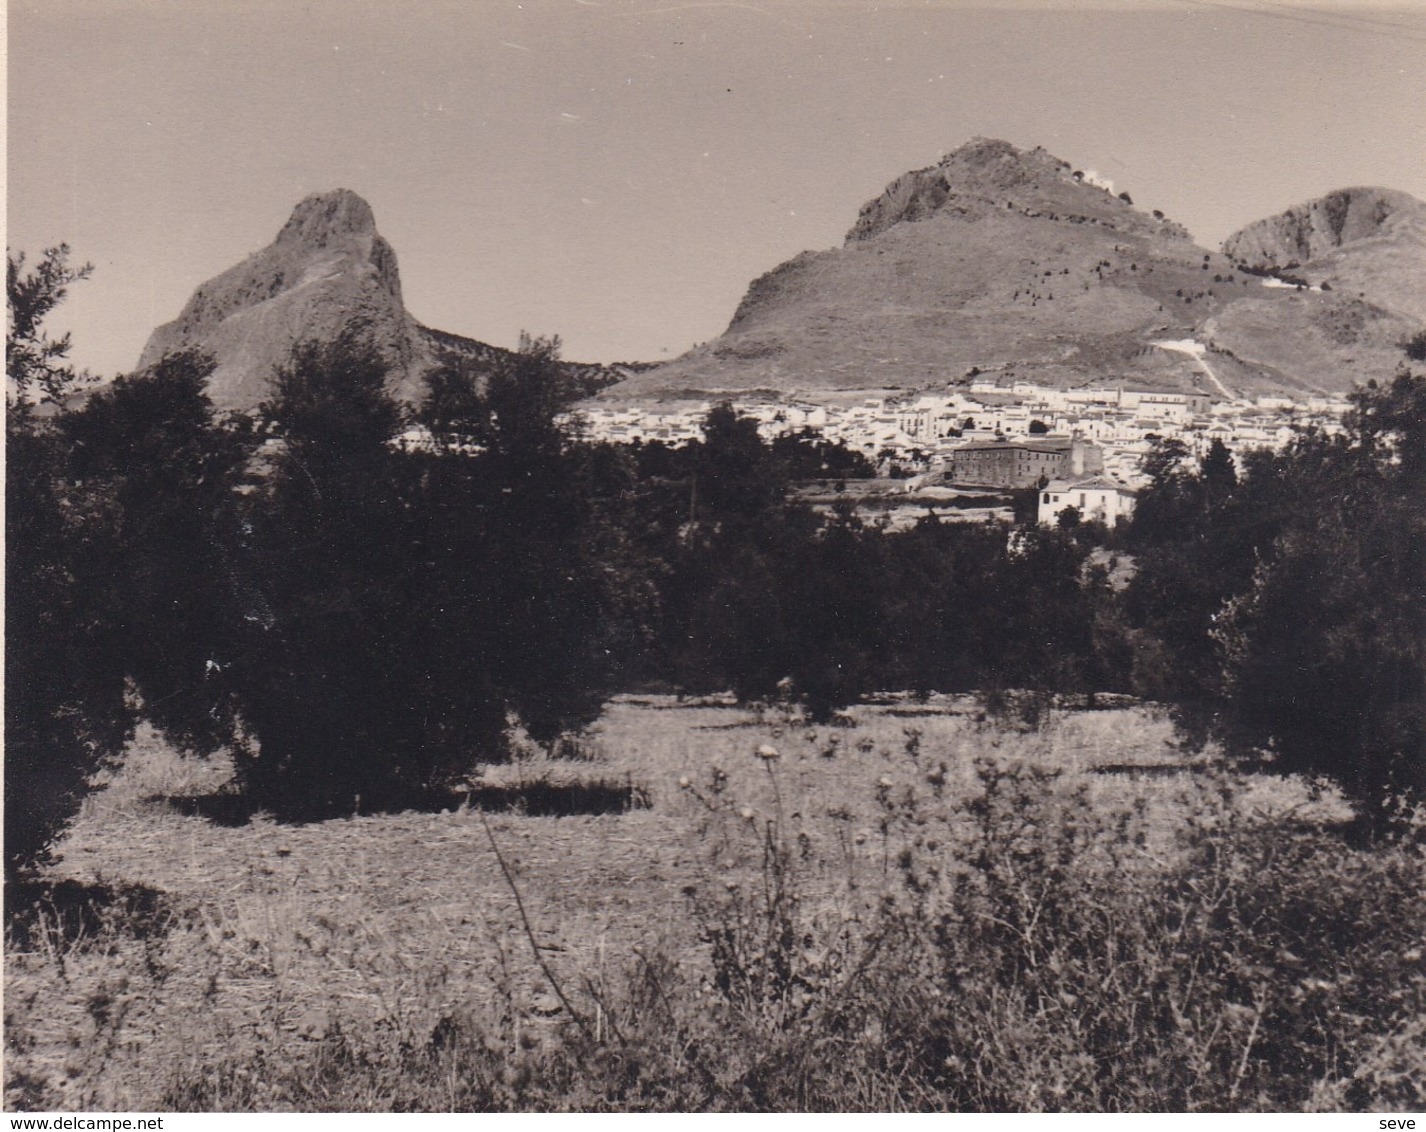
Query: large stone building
[{"x": 1025, "y": 463}]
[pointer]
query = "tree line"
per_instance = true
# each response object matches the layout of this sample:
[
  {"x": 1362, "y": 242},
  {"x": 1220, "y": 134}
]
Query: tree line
[{"x": 360, "y": 619}]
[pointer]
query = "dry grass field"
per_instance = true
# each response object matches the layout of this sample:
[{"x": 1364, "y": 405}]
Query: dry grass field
[{"x": 189, "y": 955}]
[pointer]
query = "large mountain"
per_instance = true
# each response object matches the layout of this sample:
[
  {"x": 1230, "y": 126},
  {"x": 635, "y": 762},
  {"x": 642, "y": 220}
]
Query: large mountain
[
  {"x": 328, "y": 271},
  {"x": 1010, "y": 263}
]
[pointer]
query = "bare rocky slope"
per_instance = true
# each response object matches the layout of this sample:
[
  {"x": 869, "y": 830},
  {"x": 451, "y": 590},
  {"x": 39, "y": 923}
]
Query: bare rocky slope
[
  {"x": 1376, "y": 237},
  {"x": 328, "y": 271},
  {"x": 1008, "y": 262}
]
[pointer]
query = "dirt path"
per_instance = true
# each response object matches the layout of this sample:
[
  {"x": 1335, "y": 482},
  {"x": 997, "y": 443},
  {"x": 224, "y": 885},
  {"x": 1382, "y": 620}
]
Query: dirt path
[{"x": 1196, "y": 350}]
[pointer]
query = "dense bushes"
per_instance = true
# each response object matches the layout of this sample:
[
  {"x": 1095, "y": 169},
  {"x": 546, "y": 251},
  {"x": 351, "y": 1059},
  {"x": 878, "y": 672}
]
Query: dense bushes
[
  {"x": 65, "y": 707},
  {"x": 361, "y": 619},
  {"x": 65, "y": 710},
  {"x": 1326, "y": 652},
  {"x": 1290, "y": 601},
  {"x": 161, "y": 473},
  {"x": 358, "y": 621},
  {"x": 314, "y": 665},
  {"x": 766, "y": 597}
]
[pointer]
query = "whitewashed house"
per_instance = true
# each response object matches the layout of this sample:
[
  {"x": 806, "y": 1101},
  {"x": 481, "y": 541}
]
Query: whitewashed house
[{"x": 1097, "y": 498}]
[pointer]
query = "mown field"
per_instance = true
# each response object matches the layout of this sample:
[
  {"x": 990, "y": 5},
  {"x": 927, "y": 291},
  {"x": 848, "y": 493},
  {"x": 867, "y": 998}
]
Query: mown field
[{"x": 919, "y": 907}]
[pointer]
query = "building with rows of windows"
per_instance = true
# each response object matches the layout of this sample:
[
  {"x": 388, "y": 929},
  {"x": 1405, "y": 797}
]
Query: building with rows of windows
[{"x": 1023, "y": 463}]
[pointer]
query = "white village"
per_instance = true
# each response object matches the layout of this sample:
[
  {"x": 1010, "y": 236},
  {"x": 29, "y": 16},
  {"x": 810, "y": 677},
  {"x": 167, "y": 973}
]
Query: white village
[{"x": 985, "y": 434}]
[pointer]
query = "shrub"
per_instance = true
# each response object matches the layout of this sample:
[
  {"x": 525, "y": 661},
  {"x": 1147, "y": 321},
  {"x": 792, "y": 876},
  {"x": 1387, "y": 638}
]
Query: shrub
[
  {"x": 151, "y": 446},
  {"x": 1027, "y": 950}
]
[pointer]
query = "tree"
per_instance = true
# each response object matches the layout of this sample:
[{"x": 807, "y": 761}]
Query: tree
[
  {"x": 150, "y": 446},
  {"x": 724, "y": 595},
  {"x": 737, "y": 477},
  {"x": 65, "y": 709},
  {"x": 1025, "y": 502},
  {"x": 1279, "y": 606},
  {"x": 561, "y": 584},
  {"x": 321, "y": 673},
  {"x": 1218, "y": 474},
  {"x": 834, "y": 613},
  {"x": 1325, "y": 652},
  {"x": 414, "y": 603},
  {"x": 1198, "y": 535},
  {"x": 36, "y": 365},
  {"x": 807, "y": 455}
]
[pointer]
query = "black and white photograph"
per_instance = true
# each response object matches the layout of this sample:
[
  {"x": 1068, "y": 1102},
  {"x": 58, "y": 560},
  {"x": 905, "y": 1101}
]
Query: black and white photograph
[{"x": 715, "y": 557}]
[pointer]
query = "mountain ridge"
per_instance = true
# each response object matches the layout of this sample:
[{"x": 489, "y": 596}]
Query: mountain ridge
[
  {"x": 1009, "y": 261},
  {"x": 993, "y": 261}
]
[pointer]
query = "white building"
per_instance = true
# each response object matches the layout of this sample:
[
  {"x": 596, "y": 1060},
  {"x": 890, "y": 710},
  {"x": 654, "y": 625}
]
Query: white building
[{"x": 1097, "y": 498}]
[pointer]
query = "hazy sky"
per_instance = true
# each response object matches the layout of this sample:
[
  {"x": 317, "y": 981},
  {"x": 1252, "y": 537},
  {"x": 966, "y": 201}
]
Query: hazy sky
[{"x": 617, "y": 171}]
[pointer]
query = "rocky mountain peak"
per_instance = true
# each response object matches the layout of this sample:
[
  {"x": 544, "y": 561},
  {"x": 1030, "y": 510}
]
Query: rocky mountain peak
[
  {"x": 1319, "y": 227},
  {"x": 1007, "y": 261},
  {"x": 328, "y": 268},
  {"x": 994, "y": 164},
  {"x": 323, "y": 217},
  {"x": 987, "y": 176},
  {"x": 328, "y": 272}
]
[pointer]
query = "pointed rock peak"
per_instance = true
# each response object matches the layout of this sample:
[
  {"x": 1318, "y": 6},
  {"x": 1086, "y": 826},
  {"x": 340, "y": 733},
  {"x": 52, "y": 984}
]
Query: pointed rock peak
[{"x": 322, "y": 216}]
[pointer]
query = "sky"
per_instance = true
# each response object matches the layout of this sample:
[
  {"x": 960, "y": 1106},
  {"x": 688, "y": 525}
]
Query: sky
[{"x": 618, "y": 171}]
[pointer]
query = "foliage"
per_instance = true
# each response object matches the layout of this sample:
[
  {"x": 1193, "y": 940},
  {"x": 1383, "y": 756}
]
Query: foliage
[
  {"x": 364, "y": 618},
  {"x": 318, "y": 626},
  {"x": 116, "y": 585},
  {"x": 526, "y": 540},
  {"x": 807, "y": 455},
  {"x": 35, "y": 363},
  {"x": 1197, "y": 540},
  {"x": 395, "y": 608},
  {"x": 65, "y": 708},
  {"x": 738, "y": 480},
  {"x": 763, "y": 596},
  {"x": 1325, "y": 651},
  {"x": 1289, "y": 604},
  {"x": 150, "y": 447}
]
